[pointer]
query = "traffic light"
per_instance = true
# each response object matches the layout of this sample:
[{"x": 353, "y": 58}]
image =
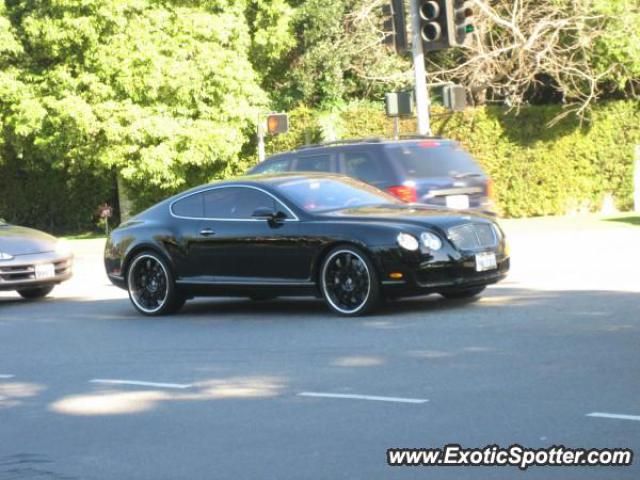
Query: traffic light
[
  {"x": 277, "y": 123},
  {"x": 454, "y": 97},
  {"x": 434, "y": 28},
  {"x": 444, "y": 23},
  {"x": 462, "y": 19},
  {"x": 394, "y": 25}
]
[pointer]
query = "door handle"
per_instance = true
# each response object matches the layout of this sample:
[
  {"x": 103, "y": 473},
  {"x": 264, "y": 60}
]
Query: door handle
[{"x": 207, "y": 232}]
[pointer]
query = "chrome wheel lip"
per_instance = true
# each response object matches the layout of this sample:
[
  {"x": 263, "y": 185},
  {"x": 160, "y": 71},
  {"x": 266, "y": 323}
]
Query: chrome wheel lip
[
  {"x": 132, "y": 295},
  {"x": 323, "y": 282}
]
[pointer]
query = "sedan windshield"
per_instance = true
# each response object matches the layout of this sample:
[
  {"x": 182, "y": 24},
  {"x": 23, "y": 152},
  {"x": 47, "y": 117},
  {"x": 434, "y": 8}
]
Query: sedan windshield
[{"x": 324, "y": 194}]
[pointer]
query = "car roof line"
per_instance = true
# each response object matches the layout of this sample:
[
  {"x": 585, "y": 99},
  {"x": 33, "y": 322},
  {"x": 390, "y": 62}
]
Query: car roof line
[{"x": 360, "y": 141}]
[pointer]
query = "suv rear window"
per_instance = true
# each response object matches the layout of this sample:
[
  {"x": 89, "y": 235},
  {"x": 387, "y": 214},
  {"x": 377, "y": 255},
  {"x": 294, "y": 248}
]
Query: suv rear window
[
  {"x": 272, "y": 166},
  {"x": 314, "y": 163},
  {"x": 428, "y": 160},
  {"x": 366, "y": 167}
]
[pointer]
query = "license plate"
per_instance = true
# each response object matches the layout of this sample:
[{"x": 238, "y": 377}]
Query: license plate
[
  {"x": 459, "y": 202},
  {"x": 46, "y": 270},
  {"x": 486, "y": 261}
]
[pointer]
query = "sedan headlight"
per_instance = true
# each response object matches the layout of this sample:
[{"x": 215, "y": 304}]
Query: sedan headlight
[
  {"x": 5, "y": 256},
  {"x": 431, "y": 241},
  {"x": 63, "y": 247},
  {"x": 408, "y": 242}
]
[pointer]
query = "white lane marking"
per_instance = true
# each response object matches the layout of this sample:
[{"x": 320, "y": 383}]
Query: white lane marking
[
  {"x": 614, "y": 415},
  {"x": 363, "y": 397},
  {"x": 108, "y": 381},
  {"x": 6, "y": 376}
]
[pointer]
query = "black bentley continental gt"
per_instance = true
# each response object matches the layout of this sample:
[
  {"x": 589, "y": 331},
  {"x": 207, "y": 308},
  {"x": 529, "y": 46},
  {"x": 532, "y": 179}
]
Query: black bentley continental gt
[{"x": 301, "y": 234}]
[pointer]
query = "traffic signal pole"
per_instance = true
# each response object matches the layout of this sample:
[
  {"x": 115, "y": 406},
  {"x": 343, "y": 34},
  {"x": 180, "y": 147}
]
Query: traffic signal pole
[{"x": 422, "y": 94}]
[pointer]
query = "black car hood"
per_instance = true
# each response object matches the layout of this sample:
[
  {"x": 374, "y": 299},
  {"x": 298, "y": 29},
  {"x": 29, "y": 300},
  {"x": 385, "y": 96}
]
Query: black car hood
[
  {"x": 419, "y": 215},
  {"x": 23, "y": 241}
]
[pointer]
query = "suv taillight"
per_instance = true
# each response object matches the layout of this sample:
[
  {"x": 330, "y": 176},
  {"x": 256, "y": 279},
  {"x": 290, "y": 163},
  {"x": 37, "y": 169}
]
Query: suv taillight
[{"x": 404, "y": 193}]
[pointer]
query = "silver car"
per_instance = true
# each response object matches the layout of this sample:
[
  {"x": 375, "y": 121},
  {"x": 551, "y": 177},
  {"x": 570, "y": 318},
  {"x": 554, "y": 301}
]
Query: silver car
[{"x": 32, "y": 262}]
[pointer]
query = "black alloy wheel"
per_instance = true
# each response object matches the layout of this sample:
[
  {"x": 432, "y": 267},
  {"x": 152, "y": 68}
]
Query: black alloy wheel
[
  {"x": 349, "y": 282},
  {"x": 151, "y": 286}
]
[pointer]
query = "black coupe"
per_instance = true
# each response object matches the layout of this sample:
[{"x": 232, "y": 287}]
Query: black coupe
[{"x": 301, "y": 234}]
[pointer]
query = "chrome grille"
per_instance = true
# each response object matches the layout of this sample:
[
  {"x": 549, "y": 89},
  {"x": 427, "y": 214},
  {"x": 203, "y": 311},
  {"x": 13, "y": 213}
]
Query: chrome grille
[{"x": 473, "y": 236}]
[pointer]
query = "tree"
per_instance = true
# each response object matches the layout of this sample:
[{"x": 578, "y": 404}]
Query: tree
[{"x": 162, "y": 91}]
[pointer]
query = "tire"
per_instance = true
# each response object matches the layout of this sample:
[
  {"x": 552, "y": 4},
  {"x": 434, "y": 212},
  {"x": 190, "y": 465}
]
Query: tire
[
  {"x": 349, "y": 282},
  {"x": 151, "y": 285},
  {"x": 35, "y": 293},
  {"x": 466, "y": 293}
]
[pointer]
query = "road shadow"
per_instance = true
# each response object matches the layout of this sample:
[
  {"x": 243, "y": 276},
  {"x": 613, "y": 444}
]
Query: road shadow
[{"x": 633, "y": 220}]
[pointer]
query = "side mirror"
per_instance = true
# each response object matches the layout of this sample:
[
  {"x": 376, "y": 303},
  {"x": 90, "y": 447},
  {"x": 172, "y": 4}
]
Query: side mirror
[
  {"x": 268, "y": 214},
  {"x": 265, "y": 213}
]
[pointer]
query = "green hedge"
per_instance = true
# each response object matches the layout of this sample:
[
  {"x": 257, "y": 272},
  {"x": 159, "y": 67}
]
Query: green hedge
[
  {"x": 57, "y": 200},
  {"x": 537, "y": 169}
]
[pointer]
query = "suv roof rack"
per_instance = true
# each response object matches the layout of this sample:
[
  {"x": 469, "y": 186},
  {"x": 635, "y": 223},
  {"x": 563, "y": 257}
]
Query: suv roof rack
[
  {"x": 352, "y": 141},
  {"x": 343, "y": 142}
]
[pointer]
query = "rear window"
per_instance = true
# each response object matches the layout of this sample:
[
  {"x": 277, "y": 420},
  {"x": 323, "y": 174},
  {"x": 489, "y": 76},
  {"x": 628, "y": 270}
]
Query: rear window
[
  {"x": 366, "y": 167},
  {"x": 272, "y": 166},
  {"x": 314, "y": 163},
  {"x": 433, "y": 160}
]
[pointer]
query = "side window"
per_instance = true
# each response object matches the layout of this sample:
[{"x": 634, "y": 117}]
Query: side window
[
  {"x": 235, "y": 202},
  {"x": 314, "y": 163},
  {"x": 364, "y": 166},
  {"x": 191, "y": 206},
  {"x": 273, "y": 166}
]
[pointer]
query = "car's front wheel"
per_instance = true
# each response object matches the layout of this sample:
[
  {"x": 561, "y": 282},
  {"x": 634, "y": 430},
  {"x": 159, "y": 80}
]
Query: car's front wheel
[
  {"x": 35, "y": 293},
  {"x": 151, "y": 285},
  {"x": 462, "y": 293},
  {"x": 349, "y": 282}
]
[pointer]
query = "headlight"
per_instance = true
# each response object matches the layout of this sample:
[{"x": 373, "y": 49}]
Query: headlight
[
  {"x": 63, "y": 247},
  {"x": 408, "y": 242},
  {"x": 5, "y": 256},
  {"x": 431, "y": 241}
]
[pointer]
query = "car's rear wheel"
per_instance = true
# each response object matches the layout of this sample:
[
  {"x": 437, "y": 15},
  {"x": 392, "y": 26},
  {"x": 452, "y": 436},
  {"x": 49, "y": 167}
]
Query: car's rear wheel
[
  {"x": 35, "y": 293},
  {"x": 349, "y": 282},
  {"x": 151, "y": 285},
  {"x": 462, "y": 293}
]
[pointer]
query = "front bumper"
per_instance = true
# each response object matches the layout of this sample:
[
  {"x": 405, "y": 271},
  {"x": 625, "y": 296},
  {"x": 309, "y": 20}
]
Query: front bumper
[
  {"x": 448, "y": 269},
  {"x": 20, "y": 272}
]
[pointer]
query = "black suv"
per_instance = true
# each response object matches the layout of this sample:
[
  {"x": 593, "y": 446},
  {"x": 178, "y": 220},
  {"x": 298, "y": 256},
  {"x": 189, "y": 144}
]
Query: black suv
[{"x": 428, "y": 170}]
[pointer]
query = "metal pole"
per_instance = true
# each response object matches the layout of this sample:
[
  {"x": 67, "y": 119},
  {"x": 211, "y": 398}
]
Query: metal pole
[
  {"x": 422, "y": 94},
  {"x": 261, "y": 148},
  {"x": 396, "y": 128}
]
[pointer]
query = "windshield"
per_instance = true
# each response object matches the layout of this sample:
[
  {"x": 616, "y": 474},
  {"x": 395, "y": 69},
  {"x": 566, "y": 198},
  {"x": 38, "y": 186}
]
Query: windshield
[
  {"x": 324, "y": 194},
  {"x": 431, "y": 159}
]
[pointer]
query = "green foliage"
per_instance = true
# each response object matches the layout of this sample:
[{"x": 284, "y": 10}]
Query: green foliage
[
  {"x": 618, "y": 50},
  {"x": 163, "y": 91},
  {"x": 536, "y": 169}
]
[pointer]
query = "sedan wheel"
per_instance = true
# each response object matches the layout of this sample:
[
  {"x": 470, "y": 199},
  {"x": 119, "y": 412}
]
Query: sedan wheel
[
  {"x": 151, "y": 286},
  {"x": 35, "y": 293},
  {"x": 349, "y": 282}
]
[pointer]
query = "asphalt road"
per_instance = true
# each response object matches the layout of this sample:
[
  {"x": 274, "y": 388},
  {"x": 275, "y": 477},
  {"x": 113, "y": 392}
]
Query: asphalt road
[{"x": 524, "y": 364}]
